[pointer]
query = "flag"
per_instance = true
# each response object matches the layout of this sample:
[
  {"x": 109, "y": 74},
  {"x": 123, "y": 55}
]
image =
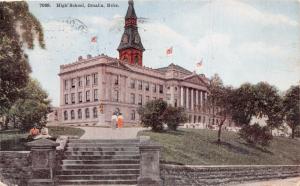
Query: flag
[
  {"x": 169, "y": 51},
  {"x": 199, "y": 64},
  {"x": 94, "y": 39}
]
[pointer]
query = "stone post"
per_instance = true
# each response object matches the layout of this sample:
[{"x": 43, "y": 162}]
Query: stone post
[
  {"x": 149, "y": 163},
  {"x": 43, "y": 158}
]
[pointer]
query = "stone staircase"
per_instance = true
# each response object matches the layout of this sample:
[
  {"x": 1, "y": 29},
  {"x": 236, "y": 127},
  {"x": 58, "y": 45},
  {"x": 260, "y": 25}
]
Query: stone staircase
[{"x": 100, "y": 162}]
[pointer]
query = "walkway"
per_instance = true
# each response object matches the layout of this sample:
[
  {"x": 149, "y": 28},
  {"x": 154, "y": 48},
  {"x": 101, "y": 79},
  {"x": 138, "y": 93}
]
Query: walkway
[
  {"x": 281, "y": 182},
  {"x": 108, "y": 133}
]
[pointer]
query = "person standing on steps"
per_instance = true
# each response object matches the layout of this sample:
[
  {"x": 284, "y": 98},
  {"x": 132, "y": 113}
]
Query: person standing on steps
[
  {"x": 114, "y": 119},
  {"x": 120, "y": 120}
]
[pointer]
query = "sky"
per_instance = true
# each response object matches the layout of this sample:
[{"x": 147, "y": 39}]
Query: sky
[{"x": 241, "y": 40}]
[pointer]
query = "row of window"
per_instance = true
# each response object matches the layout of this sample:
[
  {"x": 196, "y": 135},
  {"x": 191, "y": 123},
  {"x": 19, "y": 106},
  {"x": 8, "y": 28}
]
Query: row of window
[
  {"x": 80, "y": 114},
  {"x": 199, "y": 119},
  {"x": 140, "y": 84},
  {"x": 71, "y": 83},
  {"x": 80, "y": 97}
]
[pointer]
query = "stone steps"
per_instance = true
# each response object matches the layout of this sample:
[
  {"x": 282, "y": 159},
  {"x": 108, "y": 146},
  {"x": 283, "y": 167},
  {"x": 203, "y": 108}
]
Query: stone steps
[
  {"x": 96, "y": 182},
  {"x": 100, "y": 162},
  {"x": 99, "y": 177},
  {"x": 102, "y": 149},
  {"x": 105, "y": 161},
  {"x": 75, "y": 153},
  {"x": 98, "y": 157},
  {"x": 98, "y": 171}
]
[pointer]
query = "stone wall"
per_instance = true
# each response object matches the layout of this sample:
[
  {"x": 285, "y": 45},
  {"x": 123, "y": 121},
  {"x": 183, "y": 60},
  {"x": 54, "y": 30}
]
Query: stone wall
[
  {"x": 15, "y": 167},
  {"x": 173, "y": 175}
]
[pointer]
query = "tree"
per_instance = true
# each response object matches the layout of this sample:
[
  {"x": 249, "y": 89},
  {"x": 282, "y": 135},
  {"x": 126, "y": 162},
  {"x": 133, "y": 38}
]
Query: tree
[
  {"x": 220, "y": 101},
  {"x": 18, "y": 29},
  {"x": 173, "y": 116},
  {"x": 151, "y": 115},
  {"x": 262, "y": 101},
  {"x": 31, "y": 108},
  {"x": 255, "y": 134},
  {"x": 291, "y": 104}
]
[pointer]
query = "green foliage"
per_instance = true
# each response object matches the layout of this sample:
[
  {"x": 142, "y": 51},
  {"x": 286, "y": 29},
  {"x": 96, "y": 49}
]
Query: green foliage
[
  {"x": 220, "y": 101},
  {"x": 291, "y": 108},
  {"x": 255, "y": 134},
  {"x": 31, "y": 108},
  {"x": 151, "y": 115},
  {"x": 18, "y": 27},
  {"x": 257, "y": 100},
  {"x": 173, "y": 116}
]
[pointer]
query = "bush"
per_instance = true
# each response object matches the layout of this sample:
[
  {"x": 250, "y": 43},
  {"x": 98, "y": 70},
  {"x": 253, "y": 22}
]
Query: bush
[
  {"x": 255, "y": 134},
  {"x": 151, "y": 115},
  {"x": 173, "y": 116}
]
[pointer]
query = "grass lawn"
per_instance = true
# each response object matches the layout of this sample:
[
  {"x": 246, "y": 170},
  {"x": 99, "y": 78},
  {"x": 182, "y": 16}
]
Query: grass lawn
[
  {"x": 199, "y": 147},
  {"x": 14, "y": 141}
]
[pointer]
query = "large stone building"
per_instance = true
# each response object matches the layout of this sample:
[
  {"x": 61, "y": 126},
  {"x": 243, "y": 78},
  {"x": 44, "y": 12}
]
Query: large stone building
[{"x": 92, "y": 88}]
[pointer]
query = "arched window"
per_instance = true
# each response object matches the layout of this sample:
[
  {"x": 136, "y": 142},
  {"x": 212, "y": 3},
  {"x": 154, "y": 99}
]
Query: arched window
[
  {"x": 72, "y": 114},
  {"x": 65, "y": 115},
  {"x": 136, "y": 59},
  {"x": 95, "y": 113},
  {"x": 79, "y": 113},
  {"x": 87, "y": 113}
]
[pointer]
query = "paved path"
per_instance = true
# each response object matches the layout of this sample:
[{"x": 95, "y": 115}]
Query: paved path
[
  {"x": 281, "y": 182},
  {"x": 108, "y": 133}
]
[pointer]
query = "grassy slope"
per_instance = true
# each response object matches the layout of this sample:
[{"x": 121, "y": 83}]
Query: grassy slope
[
  {"x": 199, "y": 147},
  {"x": 15, "y": 141}
]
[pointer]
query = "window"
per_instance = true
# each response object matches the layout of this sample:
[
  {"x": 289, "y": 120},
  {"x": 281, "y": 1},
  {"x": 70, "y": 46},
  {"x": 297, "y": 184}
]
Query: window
[
  {"x": 175, "y": 88},
  {"x": 95, "y": 113},
  {"x": 116, "y": 79},
  {"x": 140, "y": 100},
  {"x": 132, "y": 83},
  {"x": 73, "y": 82},
  {"x": 147, "y": 86},
  {"x": 136, "y": 59},
  {"x": 133, "y": 115},
  {"x": 73, "y": 98},
  {"x": 154, "y": 88},
  {"x": 72, "y": 114},
  {"x": 139, "y": 84},
  {"x": 79, "y": 97},
  {"x": 147, "y": 98},
  {"x": 116, "y": 96},
  {"x": 203, "y": 119},
  {"x": 132, "y": 98},
  {"x": 66, "y": 84},
  {"x": 79, "y": 81},
  {"x": 79, "y": 113},
  {"x": 175, "y": 102},
  {"x": 87, "y": 113},
  {"x": 95, "y": 79},
  {"x": 154, "y": 98},
  {"x": 87, "y": 96},
  {"x": 65, "y": 115},
  {"x": 87, "y": 80},
  {"x": 161, "y": 89},
  {"x": 195, "y": 119},
  {"x": 66, "y": 98},
  {"x": 95, "y": 94},
  {"x": 199, "y": 119}
]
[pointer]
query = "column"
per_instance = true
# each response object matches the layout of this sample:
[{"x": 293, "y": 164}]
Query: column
[
  {"x": 187, "y": 97},
  {"x": 172, "y": 95},
  {"x": 181, "y": 97},
  {"x": 197, "y": 100},
  {"x": 192, "y": 99},
  {"x": 201, "y": 100}
]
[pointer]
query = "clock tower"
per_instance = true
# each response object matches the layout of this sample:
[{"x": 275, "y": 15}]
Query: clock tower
[{"x": 131, "y": 48}]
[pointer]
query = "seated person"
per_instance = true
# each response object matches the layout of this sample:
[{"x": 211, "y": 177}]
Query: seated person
[{"x": 44, "y": 134}]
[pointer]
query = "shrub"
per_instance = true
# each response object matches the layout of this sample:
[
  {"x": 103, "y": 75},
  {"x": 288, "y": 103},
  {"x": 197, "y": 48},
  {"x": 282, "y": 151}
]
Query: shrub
[
  {"x": 173, "y": 116},
  {"x": 151, "y": 115},
  {"x": 255, "y": 134}
]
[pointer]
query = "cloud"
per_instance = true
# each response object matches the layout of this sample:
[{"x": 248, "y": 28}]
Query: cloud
[{"x": 248, "y": 12}]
